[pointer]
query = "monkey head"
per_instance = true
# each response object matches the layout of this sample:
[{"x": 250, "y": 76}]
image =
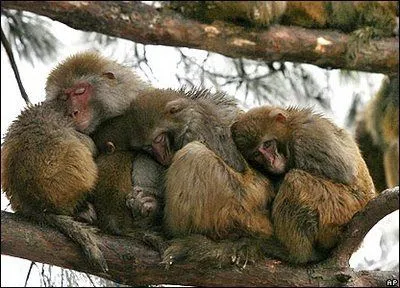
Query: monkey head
[
  {"x": 161, "y": 124},
  {"x": 262, "y": 136},
  {"x": 93, "y": 89}
]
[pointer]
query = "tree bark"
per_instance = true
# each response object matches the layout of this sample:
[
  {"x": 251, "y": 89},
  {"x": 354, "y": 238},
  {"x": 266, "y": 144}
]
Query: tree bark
[
  {"x": 144, "y": 24},
  {"x": 131, "y": 262}
]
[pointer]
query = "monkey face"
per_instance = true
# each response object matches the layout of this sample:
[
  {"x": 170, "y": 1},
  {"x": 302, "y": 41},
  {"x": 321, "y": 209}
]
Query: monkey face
[
  {"x": 168, "y": 137},
  {"x": 260, "y": 136},
  {"x": 161, "y": 149},
  {"x": 77, "y": 101},
  {"x": 160, "y": 125},
  {"x": 269, "y": 157}
]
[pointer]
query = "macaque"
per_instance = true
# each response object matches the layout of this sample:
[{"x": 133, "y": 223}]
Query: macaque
[
  {"x": 259, "y": 13},
  {"x": 93, "y": 89},
  {"x": 48, "y": 171},
  {"x": 380, "y": 123},
  {"x": 365, "y": 20},
  {"x": 209, "y": 188},
  {"x": 47, "y": 160},
  {"x": 129, "y": 192},
  {"x": 346, "y": 16},
  {"x": 322, "y": 179},
  {"x": 372, "y": 154}
]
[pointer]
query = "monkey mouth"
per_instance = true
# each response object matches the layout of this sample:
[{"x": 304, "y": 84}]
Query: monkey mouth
[
  {"x": 82, "y": 125},
  {"x": 273, "y": 164},
  {"x": 161, "y": 149}
]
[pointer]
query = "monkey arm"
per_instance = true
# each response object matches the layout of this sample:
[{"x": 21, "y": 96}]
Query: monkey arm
[
  {"x": 147, "y": 194},
  {"x": 148, "y": 174}
]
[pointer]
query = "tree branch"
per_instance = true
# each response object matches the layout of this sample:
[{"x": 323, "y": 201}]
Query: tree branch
[
  {"x": 386, "y": 203},
  {"x": 131, "y": 262},
  {"x": 144, "y": 24},
  {"x": 14, "y": 67}
]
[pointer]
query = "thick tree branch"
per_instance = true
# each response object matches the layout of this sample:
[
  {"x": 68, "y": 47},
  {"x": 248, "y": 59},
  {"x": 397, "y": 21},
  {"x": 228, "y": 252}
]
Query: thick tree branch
[
  {"x": 143, "y": 24},
  {"x": 133, "y": 263},
  {"x": 362, "y": 222}
]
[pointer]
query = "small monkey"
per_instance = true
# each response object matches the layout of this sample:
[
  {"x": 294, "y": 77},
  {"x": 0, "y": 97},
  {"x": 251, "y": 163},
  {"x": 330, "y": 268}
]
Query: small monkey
[
  {"x": 364, "y": 19},
  {"x": 48, "y": 171},
  {"x": 161, "y": 123},
  {"x": 209, "y": 187},
  {"x": 259, "y": 13},
  {"x": 93, "y": 89},
  {"x": 346, "y": 16},
  {"x": 128, "y": 194},
  {"x": 322, "y": 179},
  {"x": 56, "y": 169},
  {"x": 380, "y": 121}
]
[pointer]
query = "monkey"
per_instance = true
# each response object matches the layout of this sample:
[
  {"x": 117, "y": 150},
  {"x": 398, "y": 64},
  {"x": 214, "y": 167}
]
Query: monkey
[
  {"x": 48, "y": 170},
  {"x": 372, "y": 154},
  {"x": 164, "y": 122},
  {"x": 87, "y": 89},
  {"x": 93, "y": 88},
  {"x": 379, "y": 124},
  {"x": 209, "y": 189},
  {"x": 364, "y": 20},
  {"x": 258, "y": 13},
  {"x": 322, "y": 178},
  {"x": 346, "y": 16},
  {"x": 128, "y": 193}
]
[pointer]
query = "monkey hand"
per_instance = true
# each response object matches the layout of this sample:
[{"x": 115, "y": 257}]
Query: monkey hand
[
  {"x": 141, "y": 202},
  {"x": 88, "y": 215}
]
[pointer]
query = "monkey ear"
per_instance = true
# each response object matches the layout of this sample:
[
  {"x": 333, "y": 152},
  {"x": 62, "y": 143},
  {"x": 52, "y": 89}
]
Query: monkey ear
[
  {"x": 175, "y": 106},
  {"x": 109, "y": 75},
  {"x": 278, "y": 115},
  {"x": 110, "y": 147}
]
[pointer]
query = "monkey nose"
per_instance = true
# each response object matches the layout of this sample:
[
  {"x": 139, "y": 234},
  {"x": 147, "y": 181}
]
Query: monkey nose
[{"x": 74, "y": 114}]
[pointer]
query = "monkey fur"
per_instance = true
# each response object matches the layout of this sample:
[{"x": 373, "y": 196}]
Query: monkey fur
[
  {"x": 346, "y": 16},
  {"x": 323, "y": 180},
  {"x": 55, "y": 169},
  {"x": 128, "y": 194},
  {"x": 365, "y": 20},
  {"x": 210, "y": 189},
  {"x": 259, "y": 13},
  {"x": 380, "y": 121},
  {"x": 48, "y": 171},
  {"x": 179, "y": 119},
  {"x": 372, "y": 154},
  {"x": 93, "y": 88}
]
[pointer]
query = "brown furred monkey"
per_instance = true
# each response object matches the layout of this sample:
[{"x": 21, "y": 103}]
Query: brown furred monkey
[
  {"x": 324, "y": 180},
  {"x": 347, "y": 16},
  {"x": 128, "y": 193},
  {"x": 87, "y": 89},
  {"x": 48, "y": 171},
  {"x": 94, "y": 88},
  {"x": 382, "y": 124},
  {"x": 209, "y": 187}
]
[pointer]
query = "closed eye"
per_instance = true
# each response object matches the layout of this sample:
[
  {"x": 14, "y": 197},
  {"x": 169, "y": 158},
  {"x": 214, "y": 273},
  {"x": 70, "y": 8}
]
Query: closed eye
[{"x": 268, "y": 143}]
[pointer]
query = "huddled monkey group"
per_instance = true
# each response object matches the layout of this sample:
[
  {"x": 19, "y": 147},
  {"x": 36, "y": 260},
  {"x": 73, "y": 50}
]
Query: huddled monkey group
[{"x": 109, "y": 150}]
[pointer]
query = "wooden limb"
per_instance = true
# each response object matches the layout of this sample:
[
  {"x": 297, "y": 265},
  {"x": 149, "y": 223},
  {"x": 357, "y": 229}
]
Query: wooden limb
[
  {"x": 131, "y": 262},
  {"x": 384, "y": 204},
  {"x": 144, "y": 24}
]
